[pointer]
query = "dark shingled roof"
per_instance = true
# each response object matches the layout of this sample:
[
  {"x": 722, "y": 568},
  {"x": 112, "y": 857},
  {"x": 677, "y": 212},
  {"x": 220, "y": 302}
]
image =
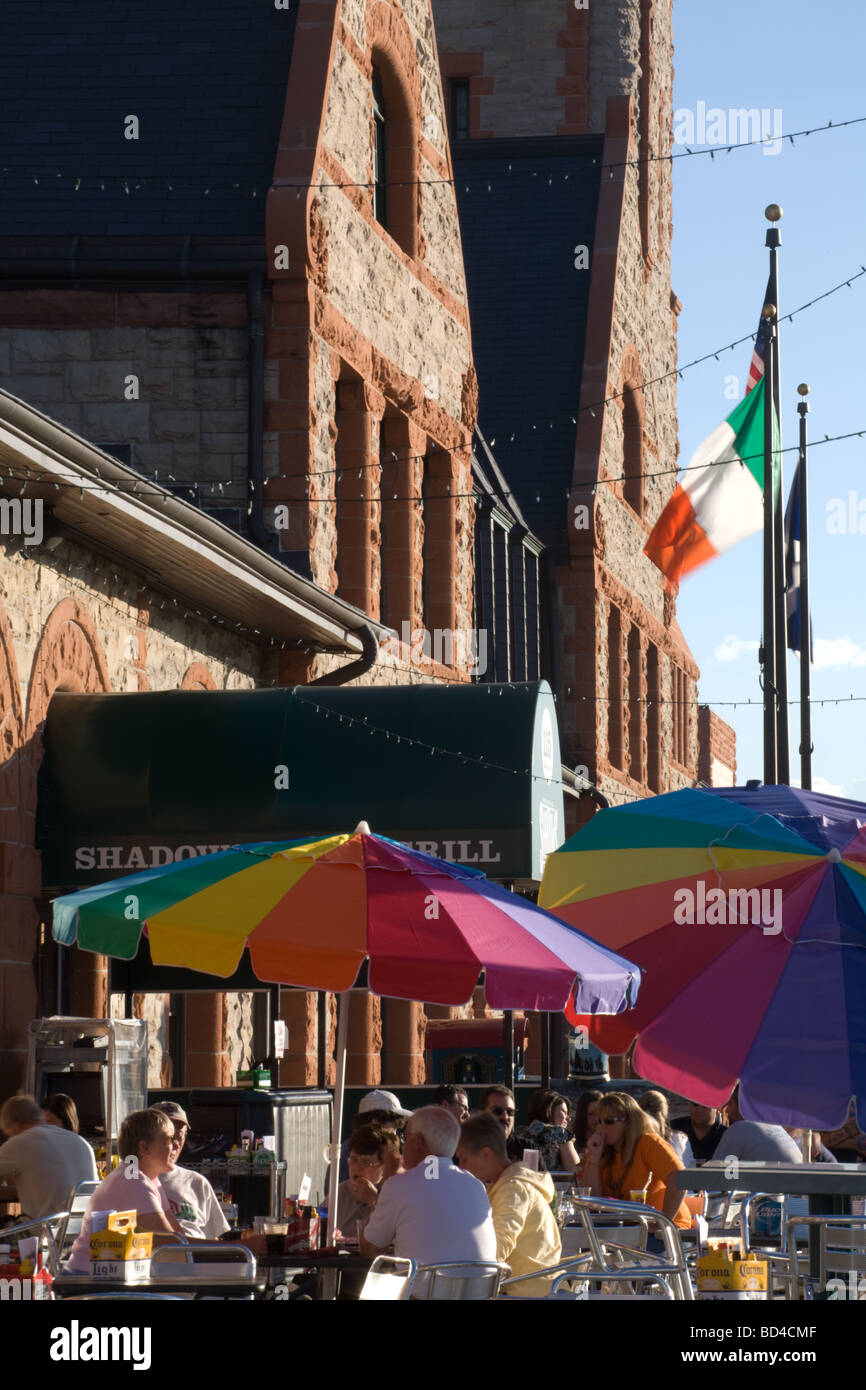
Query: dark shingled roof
[
  {"x": 206, "y": 79},
  {"x": 525, "y": 204}
]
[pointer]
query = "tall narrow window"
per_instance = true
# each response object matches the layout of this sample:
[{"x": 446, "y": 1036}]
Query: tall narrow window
[
  {"x": 615, "y": 692},
  {"x": 636, "y": 706},
  {"x": 632, "y": 451},
  {"x": 653, "y": 720},
  {"x": 458, "y": 108},
  {"x": 380, "y": 153}
]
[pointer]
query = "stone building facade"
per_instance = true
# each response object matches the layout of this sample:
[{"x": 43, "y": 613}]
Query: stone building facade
[
  {"x": 537, "y": 83},
  {"x": 257, "y": 302}
]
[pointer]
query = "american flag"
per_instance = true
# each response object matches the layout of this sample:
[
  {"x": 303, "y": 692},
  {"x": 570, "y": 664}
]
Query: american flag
[{"x": 756, "y": 366}]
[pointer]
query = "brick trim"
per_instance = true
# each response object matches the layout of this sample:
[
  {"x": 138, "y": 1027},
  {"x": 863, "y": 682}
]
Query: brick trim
[
  {"x": 469, "y": 67},
  {"x": 573, "y": 85},
  {"x": 69, "y": 656},
  {"x": 198, "y": 677},
  {"x": 630, "y": 605}
]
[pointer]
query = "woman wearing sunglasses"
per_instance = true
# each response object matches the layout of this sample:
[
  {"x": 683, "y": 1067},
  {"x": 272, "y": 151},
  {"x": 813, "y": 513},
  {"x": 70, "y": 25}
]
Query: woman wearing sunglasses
[{"x": 626, "y": 1155}]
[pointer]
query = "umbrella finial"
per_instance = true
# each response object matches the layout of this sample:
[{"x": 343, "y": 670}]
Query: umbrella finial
[{"x": 362, "y": 828}]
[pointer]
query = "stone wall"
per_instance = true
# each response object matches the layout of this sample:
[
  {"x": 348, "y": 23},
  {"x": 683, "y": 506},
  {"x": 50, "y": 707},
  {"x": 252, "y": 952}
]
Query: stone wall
[
  {"x": 175, "y": 391},
  {"x": 70, "y": 620},
  {"x": 520, "y": 90},
  {"x": 378, "y": 313}
]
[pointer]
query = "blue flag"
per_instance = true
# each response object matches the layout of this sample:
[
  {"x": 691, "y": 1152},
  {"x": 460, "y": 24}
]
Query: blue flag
[{"x": 792, "y": 570}]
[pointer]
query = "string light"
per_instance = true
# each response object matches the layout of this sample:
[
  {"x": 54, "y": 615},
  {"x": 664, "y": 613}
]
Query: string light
[{"x": 159, "y": 183}]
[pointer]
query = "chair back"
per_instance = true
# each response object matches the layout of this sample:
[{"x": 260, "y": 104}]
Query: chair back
[
  {"x": 76, "y": 1206},
  {"x": 45, "y": 1228},
  {"x": 465, "y": 1280},
  {"x": 608, "y": 1256},
  {"x": 389, "y": 1280},
  {"x": 843, "y": 1251}
]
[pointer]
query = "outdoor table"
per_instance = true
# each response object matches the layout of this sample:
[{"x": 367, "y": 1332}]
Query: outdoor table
[
  {"x": 327, "y": 1265},
  {"x": 829, "y": 1187},
  {"x": 200, "y": 1285}
]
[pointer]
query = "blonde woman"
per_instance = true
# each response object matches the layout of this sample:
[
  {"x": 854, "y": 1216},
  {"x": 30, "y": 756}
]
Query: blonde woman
[
  {"x": 655, "y": 1104},
  {"x": 626, "y": 1154}
]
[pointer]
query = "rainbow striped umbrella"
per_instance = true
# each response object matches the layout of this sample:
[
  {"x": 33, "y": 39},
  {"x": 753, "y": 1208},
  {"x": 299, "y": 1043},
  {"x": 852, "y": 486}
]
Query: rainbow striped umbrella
[
  {"x": 311, "y": 911},
  {"x": 746, "y": 910}
]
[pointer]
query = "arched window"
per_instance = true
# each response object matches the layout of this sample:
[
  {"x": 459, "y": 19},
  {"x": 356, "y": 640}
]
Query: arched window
[
  {"x": 394, "y": 156},
  {"x": 380, "y": 153}
]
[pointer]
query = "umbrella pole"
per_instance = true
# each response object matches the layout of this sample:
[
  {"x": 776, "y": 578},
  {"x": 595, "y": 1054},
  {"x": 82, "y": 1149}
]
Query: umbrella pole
[{"x": 339, "y": 1091}]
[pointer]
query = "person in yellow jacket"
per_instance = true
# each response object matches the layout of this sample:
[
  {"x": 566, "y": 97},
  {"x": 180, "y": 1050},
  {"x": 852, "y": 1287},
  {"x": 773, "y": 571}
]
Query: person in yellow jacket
[{"x": 527, "y": 1236}]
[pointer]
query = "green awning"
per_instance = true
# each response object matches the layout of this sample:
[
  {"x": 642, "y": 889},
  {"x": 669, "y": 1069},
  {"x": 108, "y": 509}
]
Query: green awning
[{"x": 471, "y": 773}]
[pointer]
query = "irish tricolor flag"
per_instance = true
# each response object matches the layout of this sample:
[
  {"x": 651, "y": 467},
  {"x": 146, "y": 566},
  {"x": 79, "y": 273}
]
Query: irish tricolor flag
[{"x": 720, "y": 497}]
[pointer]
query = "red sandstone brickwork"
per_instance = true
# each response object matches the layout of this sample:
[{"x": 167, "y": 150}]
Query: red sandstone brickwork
[
  {"x": 574, "y": 85},
  {"x": 717, "y": 743}
]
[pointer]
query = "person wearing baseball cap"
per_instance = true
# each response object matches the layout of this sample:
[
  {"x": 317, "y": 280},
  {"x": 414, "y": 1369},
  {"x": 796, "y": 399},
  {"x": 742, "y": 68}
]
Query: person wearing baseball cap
[
  {"x": 380, "y": 1108},
  {"x": 191, "y": 1199}
]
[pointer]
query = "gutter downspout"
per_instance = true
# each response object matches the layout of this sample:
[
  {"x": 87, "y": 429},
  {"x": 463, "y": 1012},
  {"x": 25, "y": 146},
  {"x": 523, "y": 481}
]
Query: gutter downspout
[
  {"x": 357, "y": 668},
  {"x": 255, "y": 414}
]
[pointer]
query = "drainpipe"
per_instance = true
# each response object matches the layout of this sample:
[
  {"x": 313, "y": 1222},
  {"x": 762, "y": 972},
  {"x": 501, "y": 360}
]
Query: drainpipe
[
  {"x": 255, "y": 413},
  {"x": 365, "y": 661}
]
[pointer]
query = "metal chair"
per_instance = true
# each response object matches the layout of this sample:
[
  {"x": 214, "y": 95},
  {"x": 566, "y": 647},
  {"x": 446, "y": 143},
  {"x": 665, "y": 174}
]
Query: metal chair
[
  {"x": 389, "y": 1280},
  {"x": 464, "y": 1280},
  {"x": 44, "y": 1227},
  {"x": 579, "y": 1271},
  {"x": 608, "y": 1257},
  {"x": 841, "y": 1254},
  {"x": 76, "y": 1206}
]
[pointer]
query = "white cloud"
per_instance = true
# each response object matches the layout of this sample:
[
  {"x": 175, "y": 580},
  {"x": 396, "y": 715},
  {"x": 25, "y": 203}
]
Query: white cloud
[
  {"x": 820, "y": 784},
  {"x": 838, "y": 651},
  {"x": 733, "y": 648}
]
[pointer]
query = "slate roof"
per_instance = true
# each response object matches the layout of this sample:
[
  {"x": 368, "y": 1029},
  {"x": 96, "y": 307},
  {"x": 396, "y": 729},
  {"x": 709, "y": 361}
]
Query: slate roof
[
  {"x": 207, "y": 80},
  {"x": 524, "y": 205}
]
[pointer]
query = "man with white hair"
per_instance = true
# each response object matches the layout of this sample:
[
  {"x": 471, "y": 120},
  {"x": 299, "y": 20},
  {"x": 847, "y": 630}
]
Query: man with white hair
[{"x": 434, "y": 1213}]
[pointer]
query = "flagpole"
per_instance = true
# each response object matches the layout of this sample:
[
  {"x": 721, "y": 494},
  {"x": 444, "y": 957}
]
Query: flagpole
[
  {"x": 773, "y": 241},
  {"x": 768, "y": 648},
  {"x": 805, "y": 615}
]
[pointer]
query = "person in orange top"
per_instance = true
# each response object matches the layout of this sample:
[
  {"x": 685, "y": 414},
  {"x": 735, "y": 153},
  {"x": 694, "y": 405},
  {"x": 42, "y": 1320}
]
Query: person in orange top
[{"x": 626, "y": 1154}]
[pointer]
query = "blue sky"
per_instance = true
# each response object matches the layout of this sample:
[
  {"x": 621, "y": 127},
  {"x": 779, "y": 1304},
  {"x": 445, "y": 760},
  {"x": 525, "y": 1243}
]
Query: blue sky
[{"x": 806, "y": 63}]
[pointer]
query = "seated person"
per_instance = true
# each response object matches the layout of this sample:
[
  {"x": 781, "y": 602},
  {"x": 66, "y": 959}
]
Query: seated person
[
  {"x": 376, "y": 1108},
  {"x": 754, "y": 1142},
  {"x": 61, "y": 1110},
  {"x": 655, "y": 1103},
  {"x": 191, "y": 1199},
  {"x": 453, "y": 1099},
  {"x": 818, "y": 1151},
  {"x": 147, "y": 1136},
  {"x": 44, "y": 1162},
  {"x": 527, "y": 1236},
  {"x": 626, "y": 1154},
  {"x": 703, "y": 1127},
  {"x": 370, "y": 1149},
  {"x": 547, "y": 1131},
  {"x": 434, "y": 1213},
  {"x": 848, "y": 1143},
  {"x": 585, "y": 1120}
]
